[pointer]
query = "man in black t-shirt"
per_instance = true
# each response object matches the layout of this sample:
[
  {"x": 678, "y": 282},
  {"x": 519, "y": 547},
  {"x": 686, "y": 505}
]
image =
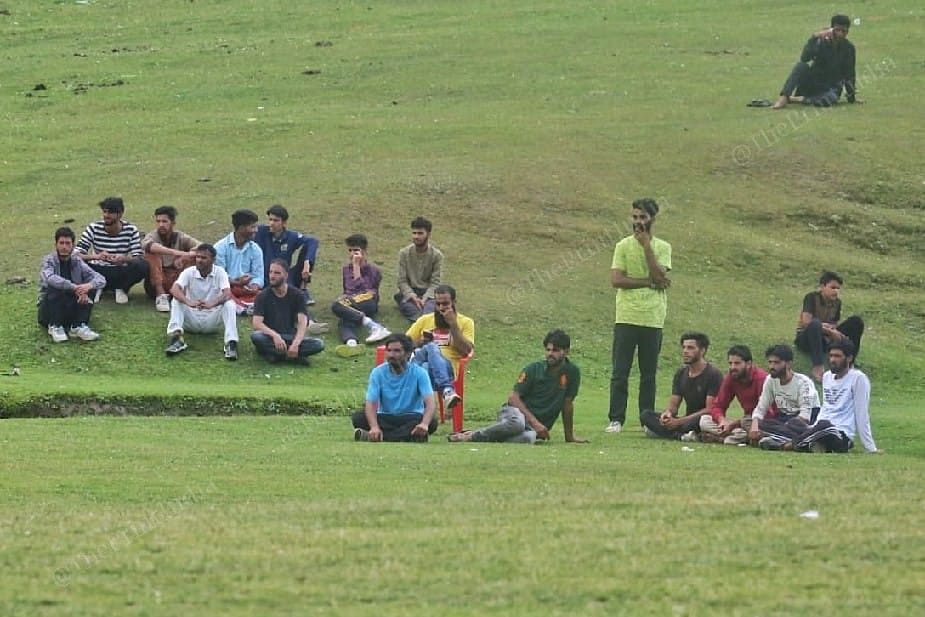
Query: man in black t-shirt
[
  {"x": 280, "y": 320},
  {"x": 818, "y": 323},
  {"x": 697, "y": 383}
]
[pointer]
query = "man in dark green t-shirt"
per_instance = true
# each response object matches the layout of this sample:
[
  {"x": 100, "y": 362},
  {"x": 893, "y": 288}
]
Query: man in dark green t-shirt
[{"x": 543, "y": 390}]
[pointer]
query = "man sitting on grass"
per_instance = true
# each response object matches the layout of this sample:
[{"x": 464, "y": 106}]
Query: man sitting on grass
[
  {"x": 818, "y": 325},
  {"x": 202, "y": 303},
  {"x": 399, "y": 399},
  {"x": 743, "y": 382},
  {"x": 242, "y": 259},
  {"x": 786, "y": 405},
  {"x": 168, "y": 253},
  {"x": 112, "y": 247},
  {"x": 360, "y": 301},
  {"x": 696, "y": 383},
  {"x": 845, "y": 407},
  {"x": 544, "y": 390},
  {"x": 281, "y": 320},
  {"x": 66, "y": 289}
]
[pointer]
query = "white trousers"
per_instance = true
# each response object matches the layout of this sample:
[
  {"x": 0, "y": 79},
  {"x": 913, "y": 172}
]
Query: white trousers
[{"x": 185, "y": 318}]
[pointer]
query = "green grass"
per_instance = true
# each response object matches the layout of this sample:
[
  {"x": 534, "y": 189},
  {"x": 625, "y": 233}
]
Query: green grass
[{"x": 523, "y": 130}]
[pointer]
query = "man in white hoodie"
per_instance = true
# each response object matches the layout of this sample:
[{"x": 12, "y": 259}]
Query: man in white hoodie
[{"x": 845, "y": 407}]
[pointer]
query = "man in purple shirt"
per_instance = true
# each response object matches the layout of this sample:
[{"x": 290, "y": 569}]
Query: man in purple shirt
[
  {"x": 360, "y": 300},
  {"x": 743, "y": 382}
]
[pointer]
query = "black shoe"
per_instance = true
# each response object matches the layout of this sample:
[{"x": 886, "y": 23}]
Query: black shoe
[
  {"x": 176, "y": 346},
  {"x": 231, "y": 350},
  {"x": 360, "y": 435}
]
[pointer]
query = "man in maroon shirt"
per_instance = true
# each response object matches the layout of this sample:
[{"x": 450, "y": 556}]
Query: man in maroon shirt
[
  {"x": 360, "y": 300},
  {"x": 743, "y": 382}
]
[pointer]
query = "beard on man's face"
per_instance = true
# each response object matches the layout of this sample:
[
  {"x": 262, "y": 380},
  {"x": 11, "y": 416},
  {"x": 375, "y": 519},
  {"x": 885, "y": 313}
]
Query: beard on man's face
[{"x": 440, "y": 320}]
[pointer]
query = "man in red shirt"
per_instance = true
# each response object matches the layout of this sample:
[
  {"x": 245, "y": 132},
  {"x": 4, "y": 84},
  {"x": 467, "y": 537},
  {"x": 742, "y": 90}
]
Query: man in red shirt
[{"x": 743, "y": 382}]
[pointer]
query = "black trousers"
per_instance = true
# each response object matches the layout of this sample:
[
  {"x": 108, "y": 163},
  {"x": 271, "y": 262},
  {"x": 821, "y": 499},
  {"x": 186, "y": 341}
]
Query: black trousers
[
  {"x": 825, "y": 433},
  {"x": 61, "y": 308},
  {"x": 395, "y": 427},
  {"x": 351, "y": 310},
  {"x": 650, "y": 420},
  {"x": 628, "y": 340},
  {"x": 124, "y": 276},
  {"x": 802, "y": 82},
  {"x": 810, "y": 338}
]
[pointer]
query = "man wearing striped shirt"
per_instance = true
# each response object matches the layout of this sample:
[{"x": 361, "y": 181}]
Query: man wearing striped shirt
[{"x": 112, "y": 247}]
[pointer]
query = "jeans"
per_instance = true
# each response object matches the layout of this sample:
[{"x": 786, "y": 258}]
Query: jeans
[
  {"x": 438, "y": 367},
  {"x": 265, "y": 347},
  {"x": 511, "y": 427},
  {"x": 627, "y": 339},
  {"x": 410, "y": 310},
  {"x": 395, "y": 426}
]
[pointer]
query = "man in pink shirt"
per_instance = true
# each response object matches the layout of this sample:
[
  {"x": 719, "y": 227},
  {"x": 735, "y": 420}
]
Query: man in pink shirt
[{"x": 743, "y": 382}]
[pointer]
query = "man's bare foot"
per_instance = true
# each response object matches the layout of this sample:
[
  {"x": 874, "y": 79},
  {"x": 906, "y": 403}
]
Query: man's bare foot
[
  {"x": 781, "y": 102},
  {"x": 817, "y": 373}
]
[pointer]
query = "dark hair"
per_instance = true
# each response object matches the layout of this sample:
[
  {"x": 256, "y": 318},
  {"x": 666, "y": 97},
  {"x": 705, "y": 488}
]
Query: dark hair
[
  {"x": 399, "y": 337},
  {"x": 841, "y": 20},
  {"x": 846, "y": 346},
  {"x": 702, "y": 340},
  {"x": 282, "y": 263},
  {"x": 558, "y": 338},
  {"x": 113, "y": 204},
  {"x": 205, "y": 247},
  {"x": 278, "y": 210},
  {"x": 422, "y": 223},
  {"x": 356, "y": 241},
  {"x": 169, "y": 211},
  {"x": 782, "y": 351},
  {"x": 242, "y": 217},
  {"x": 445, "y": 289},
  {"x": 646, "y": 204},
  {"x": 828, "y": 276},
  {"x": 741, "y": 351},
  {"x": 64, "y": 232}
]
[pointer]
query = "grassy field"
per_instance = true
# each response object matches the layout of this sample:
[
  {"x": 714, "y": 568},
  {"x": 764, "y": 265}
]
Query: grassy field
[{"x": 523, "y": 130}]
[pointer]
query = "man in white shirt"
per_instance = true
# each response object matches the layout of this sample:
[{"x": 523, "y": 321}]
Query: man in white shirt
[
  {"x": 786, "y": 405},
  {"x": 202, "y": 303},
  {"x": 845, "y": 407}
]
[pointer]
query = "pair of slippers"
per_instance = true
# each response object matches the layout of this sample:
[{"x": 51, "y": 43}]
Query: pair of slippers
[{"x": 758, "y": 103}]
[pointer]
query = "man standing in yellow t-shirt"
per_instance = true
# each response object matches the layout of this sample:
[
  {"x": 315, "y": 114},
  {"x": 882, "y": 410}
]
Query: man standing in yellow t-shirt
[
  {"x": 442, "y": 338},
  {"x": 639, "y": 274}
]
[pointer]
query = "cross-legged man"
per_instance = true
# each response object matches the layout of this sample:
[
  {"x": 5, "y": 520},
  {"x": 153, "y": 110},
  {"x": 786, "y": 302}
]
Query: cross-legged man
[
  {"x": 845, "y": 407},
  {"x": 420, "y": 270},
  {"x": 112, "y": 247},
  {"x": 786, "y": 405},
  {"x": 743, "y": 382},
  {"x": 280, "y": 321},
  {"x": 242, "y": 259},
  {"x": 202, "y": 303},
  {"x": 399, "y": 399},
  {"x": 639, "y": 273},
  {"x": 544, "y": 390},
  {"x": 696, "y": 383},
  {"x": 66, "y": 289}
]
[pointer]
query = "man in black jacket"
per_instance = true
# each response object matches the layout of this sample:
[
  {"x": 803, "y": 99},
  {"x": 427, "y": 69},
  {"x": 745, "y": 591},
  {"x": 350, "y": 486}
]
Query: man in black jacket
[{"x": 826, "y": 66}]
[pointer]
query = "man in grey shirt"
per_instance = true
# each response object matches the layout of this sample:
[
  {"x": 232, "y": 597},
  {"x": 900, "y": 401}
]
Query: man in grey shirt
[{"x": 420, "y": 269}]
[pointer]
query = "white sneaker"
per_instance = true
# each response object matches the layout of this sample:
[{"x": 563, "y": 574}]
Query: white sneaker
[
  {"x": 84, "y": 333},
  {"x": 121, "y": 297},
  {"x": 162, "y": 304},
  {"x": 690, "y": 436},
  {"x": 613, "y": 427},
  {"x": 377, "y": 332},
  {"x": 57, "y": 334}
]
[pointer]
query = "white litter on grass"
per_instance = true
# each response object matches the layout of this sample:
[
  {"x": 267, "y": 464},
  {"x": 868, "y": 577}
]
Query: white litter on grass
[
  {"x": 810, "y": 514},
  {"x": 686, "y": 449},
  {"x": 473, "y": 449},
  {"x": 267, "y": 375},
  {"x": 743, "y": 445},
  {"x": 857, "y": 21},
  {"x": 252, "y": 119},
  {"x": 600, "y": 451}
]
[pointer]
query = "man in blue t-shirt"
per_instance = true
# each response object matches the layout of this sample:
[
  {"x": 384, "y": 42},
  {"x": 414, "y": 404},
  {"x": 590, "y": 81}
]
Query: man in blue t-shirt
[{"x": 399, "y": 398}]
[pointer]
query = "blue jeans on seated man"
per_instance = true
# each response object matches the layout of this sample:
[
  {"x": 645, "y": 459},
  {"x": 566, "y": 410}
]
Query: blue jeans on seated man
[{"x": 438, "y": 367}]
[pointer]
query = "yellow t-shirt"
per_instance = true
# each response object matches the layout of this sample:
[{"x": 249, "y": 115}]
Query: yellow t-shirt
[
  {"x": 442, "y": 337},
  {"x": 645, "y": 306}
]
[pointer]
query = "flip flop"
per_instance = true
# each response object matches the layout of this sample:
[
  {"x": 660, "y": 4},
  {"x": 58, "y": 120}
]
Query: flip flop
[{"x": 758, "y": 103}]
